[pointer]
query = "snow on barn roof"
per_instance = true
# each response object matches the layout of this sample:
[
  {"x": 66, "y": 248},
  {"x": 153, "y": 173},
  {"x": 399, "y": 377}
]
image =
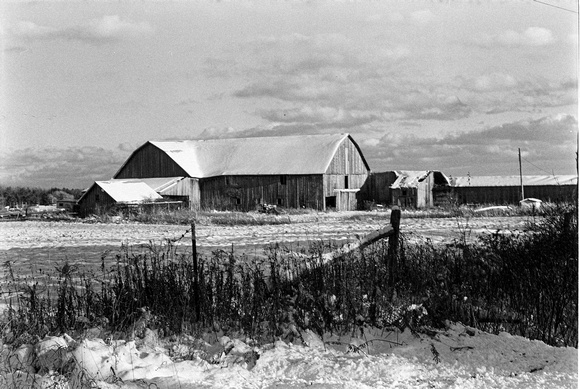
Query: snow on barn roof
[
  {"x": 119, "y": 189},
  {"x": 304, "y": 154},
  {"x": 411, "y": 178},
  {"x": 126, "y": 191},
  {"x": 158, "y": 184},
  {"x": 492, "y": 181}
]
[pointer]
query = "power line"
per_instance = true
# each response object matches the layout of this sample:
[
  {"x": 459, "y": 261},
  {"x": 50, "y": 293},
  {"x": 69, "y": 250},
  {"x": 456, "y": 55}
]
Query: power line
[
  {"x": 555, "y": 6},
  {"x": 536, "y": 166}
]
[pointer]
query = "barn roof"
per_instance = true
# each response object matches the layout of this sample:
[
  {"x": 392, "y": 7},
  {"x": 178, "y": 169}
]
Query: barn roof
[
  {"x": 158, "y": 184},
  {"x": 492, "y": 181},
  {"x": 305, "y": 154},
  {"x": 127, "y": 191},
  {"x": 411, "y": 178}
]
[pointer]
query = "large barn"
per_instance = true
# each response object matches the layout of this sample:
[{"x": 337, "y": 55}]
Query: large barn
[{"x": 311, "y": 171}]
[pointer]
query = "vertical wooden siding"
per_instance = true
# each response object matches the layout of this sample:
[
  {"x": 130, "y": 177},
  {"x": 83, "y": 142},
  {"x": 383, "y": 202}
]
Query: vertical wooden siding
[
  {"x": 89, "y": 205},
  {"x": 347, "y": 162},
  {"x": 186, "y": 187},
  {"x": 378, "y": 187},
  {"x": 149, "y": 161},
  {"x": 502, "y": 195},
  {"x": 246, "y": 192}
]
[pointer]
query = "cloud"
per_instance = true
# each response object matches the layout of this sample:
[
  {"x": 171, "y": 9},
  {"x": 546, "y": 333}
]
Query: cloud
[
  {"x": 494, "y": 81},
  {"x": 499, "y": 92},
  {"x": 333, "y": 81},
  {"x": 531, "y": 37},
  {"x": 548, "y": 143},
  {"x": 216, "y": 133},
  {"x": 28, "y": 29},
  {"x": 73, "y": 167},
  {"x": 329, "y": 80},
  {"x": 109, "y": 28},
  {"x": 422, "y": 17}
]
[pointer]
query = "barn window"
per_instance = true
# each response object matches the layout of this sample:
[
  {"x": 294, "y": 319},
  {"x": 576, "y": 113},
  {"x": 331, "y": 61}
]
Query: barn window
[
  {"x": 238, "y": 201},
  {"x": 279, "y": 201},
  {"x": 282, "y": 180},
  {"x": 97, "y": 197},
  {"x": 345, "y": 182}
]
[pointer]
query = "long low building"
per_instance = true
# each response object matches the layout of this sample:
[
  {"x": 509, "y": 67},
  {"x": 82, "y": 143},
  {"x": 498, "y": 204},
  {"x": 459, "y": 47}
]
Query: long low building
[{"x": 507, "y": 189}]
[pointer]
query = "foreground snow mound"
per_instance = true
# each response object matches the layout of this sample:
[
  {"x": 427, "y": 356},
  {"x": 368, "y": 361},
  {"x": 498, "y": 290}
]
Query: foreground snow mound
[{"x": 460, "y": 357}]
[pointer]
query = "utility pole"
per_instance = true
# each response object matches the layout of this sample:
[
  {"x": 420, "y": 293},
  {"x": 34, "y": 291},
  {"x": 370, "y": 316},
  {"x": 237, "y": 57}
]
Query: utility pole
[{"x": 521, "y": 177}]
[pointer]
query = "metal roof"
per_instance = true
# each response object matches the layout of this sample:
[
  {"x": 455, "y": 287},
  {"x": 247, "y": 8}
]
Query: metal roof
[
  {"x": 158, "y": 184},
  {"x": 116, "y": 187},
  {"x": 123, "y": 191},
  {"x": 305, "y": 154},
  {"x": 490, "y": 181},
  {"x": 411, "y": 178}
]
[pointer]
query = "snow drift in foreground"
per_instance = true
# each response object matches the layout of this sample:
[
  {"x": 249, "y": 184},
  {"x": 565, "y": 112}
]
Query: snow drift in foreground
[{"x": 460, "y": 357}]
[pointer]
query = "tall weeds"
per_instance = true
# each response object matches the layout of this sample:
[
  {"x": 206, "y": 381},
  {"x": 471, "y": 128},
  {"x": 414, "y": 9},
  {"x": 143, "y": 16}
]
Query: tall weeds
[{"x": 526, "y": 284}]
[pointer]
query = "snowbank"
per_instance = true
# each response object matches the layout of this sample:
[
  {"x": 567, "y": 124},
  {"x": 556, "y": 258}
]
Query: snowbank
[{"x": 460, "y": 357}]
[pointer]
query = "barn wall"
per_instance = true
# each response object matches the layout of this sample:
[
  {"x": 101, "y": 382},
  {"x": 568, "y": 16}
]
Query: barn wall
[
  {"x": 96, "y": 200},
  {"x": 149, "y": 161},
  {"x": 186, "y": 187},
  {"x": 501, "y": 195},
  {"x": 347, "y": 160},
  {"x": 377, "y": 188},
  {"x": 347, "y": 170},
  {"x": 244, "y": 193}
]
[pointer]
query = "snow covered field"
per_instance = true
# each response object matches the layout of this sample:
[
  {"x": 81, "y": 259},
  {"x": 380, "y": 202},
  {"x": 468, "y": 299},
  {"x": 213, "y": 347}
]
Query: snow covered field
[{"x": 301, "y": 228}]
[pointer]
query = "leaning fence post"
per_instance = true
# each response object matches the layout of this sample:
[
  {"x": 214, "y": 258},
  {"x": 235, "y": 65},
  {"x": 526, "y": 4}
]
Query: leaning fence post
[
  {"x": 195, "y": 272},
  {"x": 393, "y": 245}
]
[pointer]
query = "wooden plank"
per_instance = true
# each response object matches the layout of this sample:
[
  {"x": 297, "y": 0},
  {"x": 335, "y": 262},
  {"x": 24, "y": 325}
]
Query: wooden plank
[{"x": 350, "y": 247}]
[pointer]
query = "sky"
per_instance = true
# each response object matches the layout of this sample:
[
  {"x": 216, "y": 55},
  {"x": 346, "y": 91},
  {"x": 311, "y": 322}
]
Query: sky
[{"x": 455, "y": 86}]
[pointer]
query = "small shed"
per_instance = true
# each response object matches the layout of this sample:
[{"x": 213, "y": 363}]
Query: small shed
[
  {"x": 419, "y": 189},
  {"x": 104, "y": 195}
]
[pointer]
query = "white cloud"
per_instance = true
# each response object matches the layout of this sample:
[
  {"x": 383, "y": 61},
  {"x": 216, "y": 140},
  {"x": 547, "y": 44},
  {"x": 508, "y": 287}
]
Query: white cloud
[
  {"x": 538, "y": 36},
  {"x": 28, "y": 29},
  {"x": 111, "y": 26},
  {"x": 73, "y": 167},
  {"x": 494, "y": 81},
  {"x": 422, "y": 17},
  {"x": 531, "y": 37},
  {"x": 105, "y": 29}
]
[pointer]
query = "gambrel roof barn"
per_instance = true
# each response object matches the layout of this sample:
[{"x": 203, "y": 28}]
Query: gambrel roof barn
[{"x": 313, "y": 171}]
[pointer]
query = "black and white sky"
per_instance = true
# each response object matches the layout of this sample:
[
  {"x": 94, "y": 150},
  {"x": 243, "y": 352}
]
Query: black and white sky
[{"x": 456, "y": 86}]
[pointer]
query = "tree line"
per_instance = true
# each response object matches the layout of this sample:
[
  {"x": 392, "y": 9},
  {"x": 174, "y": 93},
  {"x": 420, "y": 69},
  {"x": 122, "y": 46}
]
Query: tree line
[{"x": 17, "y": 196}]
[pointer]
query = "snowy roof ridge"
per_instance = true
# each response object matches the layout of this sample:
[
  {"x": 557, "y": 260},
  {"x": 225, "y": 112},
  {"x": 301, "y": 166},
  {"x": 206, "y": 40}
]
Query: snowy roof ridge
[{"x": 304, "y": 154}]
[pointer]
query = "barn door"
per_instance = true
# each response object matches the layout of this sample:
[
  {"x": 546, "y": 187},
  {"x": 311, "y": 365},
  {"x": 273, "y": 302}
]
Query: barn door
[{"x": 346, "y": 199}]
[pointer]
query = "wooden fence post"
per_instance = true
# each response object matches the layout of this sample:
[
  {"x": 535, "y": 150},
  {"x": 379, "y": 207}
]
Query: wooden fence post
[
  {"x": 392, "y": 260},
  {"x": 195, "y": 272}
]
